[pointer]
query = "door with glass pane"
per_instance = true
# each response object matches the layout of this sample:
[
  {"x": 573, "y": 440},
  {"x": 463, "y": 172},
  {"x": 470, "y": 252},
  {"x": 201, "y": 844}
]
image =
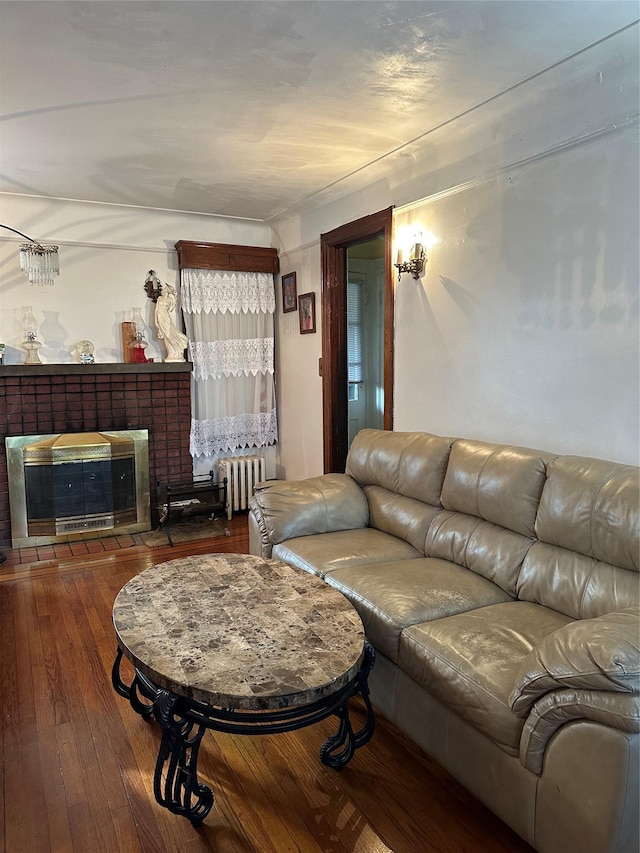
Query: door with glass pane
[
  {"x": 351, "y": 239},
  {"x": 365, "y": 336}
]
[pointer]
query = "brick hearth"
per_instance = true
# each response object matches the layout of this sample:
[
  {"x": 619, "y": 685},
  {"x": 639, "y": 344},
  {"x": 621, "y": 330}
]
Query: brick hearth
[{"x": 60, "y": 398}]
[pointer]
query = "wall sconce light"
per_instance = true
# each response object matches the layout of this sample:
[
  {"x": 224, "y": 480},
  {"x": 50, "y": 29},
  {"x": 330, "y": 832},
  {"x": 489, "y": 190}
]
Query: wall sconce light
[
  {"x": 38, "y": 261},
  {"x": 416, "y": 261},
  {"x": 153, "y": 286}
]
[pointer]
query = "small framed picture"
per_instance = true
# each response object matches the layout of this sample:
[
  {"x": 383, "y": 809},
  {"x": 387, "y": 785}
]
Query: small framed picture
[
  {"x": 307, "y": 310},
  {"x": 289, "y": 292}
]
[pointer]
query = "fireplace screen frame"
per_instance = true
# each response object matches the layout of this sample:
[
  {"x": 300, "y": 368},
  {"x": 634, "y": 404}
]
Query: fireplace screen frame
[{"x": 20, "y": 535}]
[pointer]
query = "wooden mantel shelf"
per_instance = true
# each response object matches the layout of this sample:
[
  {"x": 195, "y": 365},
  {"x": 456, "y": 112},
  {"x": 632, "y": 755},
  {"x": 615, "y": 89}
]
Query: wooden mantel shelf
[{"x": 92, "y": 369}]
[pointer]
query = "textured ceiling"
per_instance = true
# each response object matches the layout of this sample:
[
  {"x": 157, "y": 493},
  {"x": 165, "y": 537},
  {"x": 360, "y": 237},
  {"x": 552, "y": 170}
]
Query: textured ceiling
[{"x": 248, "y": 109}]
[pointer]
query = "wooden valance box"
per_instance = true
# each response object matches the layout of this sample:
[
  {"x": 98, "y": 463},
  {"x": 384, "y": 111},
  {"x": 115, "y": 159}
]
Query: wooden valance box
[{"x": 226, "y": 256}]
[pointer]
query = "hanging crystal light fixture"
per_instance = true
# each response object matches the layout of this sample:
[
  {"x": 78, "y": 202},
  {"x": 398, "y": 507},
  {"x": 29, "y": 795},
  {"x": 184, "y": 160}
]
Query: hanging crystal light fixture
[{"x": 38, "y": 261}]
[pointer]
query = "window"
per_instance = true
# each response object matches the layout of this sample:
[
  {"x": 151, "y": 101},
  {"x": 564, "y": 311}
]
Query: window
[{"x": 355, "y": 329}]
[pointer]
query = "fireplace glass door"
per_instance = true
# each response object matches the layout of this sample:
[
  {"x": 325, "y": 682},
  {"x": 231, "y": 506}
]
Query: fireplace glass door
[
  {"x": 80, "y": 490},
  {"x": 77, "y": 483}
]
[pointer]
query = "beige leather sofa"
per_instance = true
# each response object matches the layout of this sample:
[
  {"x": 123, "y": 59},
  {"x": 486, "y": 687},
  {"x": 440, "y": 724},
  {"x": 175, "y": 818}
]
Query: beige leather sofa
[{"x": 499, "y": 586}]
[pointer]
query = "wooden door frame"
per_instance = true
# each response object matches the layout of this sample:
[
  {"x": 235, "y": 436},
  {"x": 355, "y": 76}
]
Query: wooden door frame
[{"x": 333, "y": 247}]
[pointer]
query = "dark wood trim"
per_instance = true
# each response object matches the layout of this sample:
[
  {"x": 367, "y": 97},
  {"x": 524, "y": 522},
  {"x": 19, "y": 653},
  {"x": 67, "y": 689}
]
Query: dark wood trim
[
  {"x": 334, "y": 367},
  {"x": 334, "y": 245},
  {"x": 226, "y": 256}
]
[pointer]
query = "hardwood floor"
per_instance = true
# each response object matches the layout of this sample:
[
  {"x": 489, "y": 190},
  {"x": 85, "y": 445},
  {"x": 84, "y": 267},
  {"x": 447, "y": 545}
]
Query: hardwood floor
[{"x": 77, "y": 762}]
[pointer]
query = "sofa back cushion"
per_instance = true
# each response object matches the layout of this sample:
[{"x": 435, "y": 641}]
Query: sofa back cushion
[
  {"x": 498, "y": 483},
  {"x": 412, "y": 464},
  {"x": 490, "y": 497},
  {"x": 484, "y": 548},
  {"x": 397, "y": 515},
  {"x": 586, "y": 560}
]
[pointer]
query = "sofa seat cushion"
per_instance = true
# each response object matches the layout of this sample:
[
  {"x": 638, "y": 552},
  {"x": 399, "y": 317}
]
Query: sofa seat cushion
[
  {"x": 470, "y": 662},
  {"x": 392, "y": 596},
  {"x": 326, "y": 552}
]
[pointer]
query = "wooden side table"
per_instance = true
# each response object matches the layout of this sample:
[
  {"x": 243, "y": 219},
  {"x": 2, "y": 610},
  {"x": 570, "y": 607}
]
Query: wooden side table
[{"x": 205, "y": 496}]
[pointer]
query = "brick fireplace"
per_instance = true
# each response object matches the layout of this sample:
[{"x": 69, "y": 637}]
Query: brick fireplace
[{"x": 61, "y": 398}]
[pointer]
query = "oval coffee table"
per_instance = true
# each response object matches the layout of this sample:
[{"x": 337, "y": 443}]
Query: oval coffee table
[{"x": 239, "y": 644}]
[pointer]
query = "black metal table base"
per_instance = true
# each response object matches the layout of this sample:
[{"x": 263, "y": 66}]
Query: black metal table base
[{"x": 184, "y": 722}]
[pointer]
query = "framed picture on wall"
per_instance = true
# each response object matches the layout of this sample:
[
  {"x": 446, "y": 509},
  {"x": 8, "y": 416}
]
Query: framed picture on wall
[
  {"x": 307, "y": 310},
  {"x": 289, "y": 292}
]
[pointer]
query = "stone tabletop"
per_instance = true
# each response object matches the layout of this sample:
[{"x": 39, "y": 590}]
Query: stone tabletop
[{"x": 238, "y": 631}]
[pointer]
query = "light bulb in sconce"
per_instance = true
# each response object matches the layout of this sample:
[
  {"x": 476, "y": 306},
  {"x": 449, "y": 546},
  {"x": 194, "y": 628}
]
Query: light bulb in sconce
[{"x": 417, "y": 248}]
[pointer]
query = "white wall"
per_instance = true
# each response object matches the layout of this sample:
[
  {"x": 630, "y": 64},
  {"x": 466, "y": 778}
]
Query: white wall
[
  {"x": 525, "y": 326},
  {"x": 106, "y": 252},
  {"x": 299, "y": 385}
]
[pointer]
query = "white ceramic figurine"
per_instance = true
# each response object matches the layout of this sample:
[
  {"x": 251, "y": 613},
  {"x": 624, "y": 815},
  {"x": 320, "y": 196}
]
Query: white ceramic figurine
[{"x": 174, "y": 340}]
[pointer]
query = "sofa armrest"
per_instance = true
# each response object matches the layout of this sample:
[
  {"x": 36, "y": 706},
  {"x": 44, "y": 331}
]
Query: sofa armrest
[
  {"x": 259, "y": 544},
  {"x": 619, "y": 711},
  {"x": 590, "y": 654},
  {"x": 285, "y": 509}
]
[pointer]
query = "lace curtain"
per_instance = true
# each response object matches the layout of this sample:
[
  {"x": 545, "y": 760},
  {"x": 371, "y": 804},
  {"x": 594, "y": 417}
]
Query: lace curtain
[{"x": 229, "y": 323}]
